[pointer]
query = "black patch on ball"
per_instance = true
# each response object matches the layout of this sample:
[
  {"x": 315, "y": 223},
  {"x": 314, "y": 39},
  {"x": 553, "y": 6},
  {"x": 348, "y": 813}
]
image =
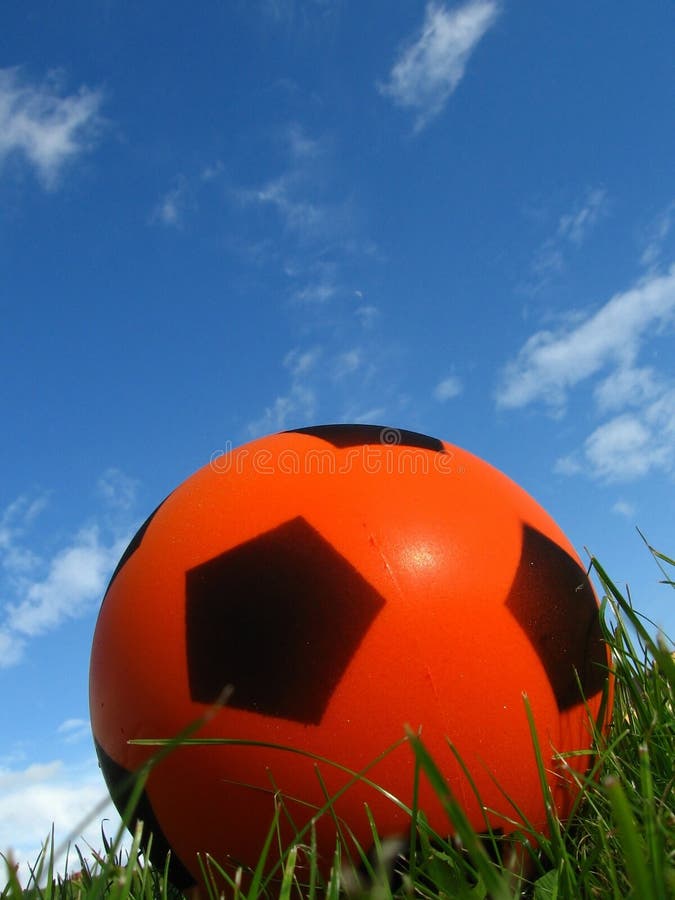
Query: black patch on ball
[
  {"x": 355, "y": 435},
  {"x": 552, "y": 600},
  {"x": 278, "y": 618},
  {"x": 133, "y": 546},
  {"x": 120, "y": 783}
]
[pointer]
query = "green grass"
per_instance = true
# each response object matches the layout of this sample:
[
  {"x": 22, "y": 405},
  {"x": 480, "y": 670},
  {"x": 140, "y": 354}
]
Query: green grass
[{"x": 620, "y": 841}]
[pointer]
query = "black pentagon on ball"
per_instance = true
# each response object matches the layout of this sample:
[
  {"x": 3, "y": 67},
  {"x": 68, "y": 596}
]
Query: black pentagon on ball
[
  {"x": 552, "y": 600},
  {"x": 278, "y": 619},
  {"x": 357, "y": 435}
]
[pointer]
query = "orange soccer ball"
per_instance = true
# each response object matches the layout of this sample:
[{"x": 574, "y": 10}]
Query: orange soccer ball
[{"x": 343, "y": 582}]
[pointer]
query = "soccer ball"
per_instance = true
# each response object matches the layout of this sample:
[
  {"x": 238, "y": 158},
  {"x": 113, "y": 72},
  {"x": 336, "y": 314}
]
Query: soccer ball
[{"x": 338, "y": 584}]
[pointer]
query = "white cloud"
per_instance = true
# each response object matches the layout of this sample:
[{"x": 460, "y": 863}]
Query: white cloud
[
  {"x": 15, "y": 558},
  {"x": 448, "y": 388},
  {"x": 117, "y": 489},
  {"x": 167, "y": 210},
  {"x": 74, "y": 730},
  {"x": 295, "y": 408},
  {"x": 298, "y": 213},
  {"x": 575, "y": 226},
  {"x": 624, "y": 508},
  {"x": 294, "y": 192},
  {"x": 572, "y": 230},
  {"x": 634, "y": 444},
  {"x": 621, "y": 448},
  {"x": 628, "y": 446},
  {"x": 317, "y": 282},
  {"x": 18, "y": 516},
  {"x": 639, "y": 437},
  {"x": 551, "y": 363},
  {"x": 347, "y": 362},
  {"x": 301, "y": 146},
  {"x": 367, "y": 315},
  {"x": 301, "y": 362},
  {"x": 318, "y": 236},
  {"x": 75, "y": 579},
  {"x": 44, "y": 127},
  {"x": 72, "y": 798},
  {"x": 627, "y": 386},
  {"x": 303, "y": 195},
  {"x": 430, "y": 68},
  {"x": 656, "y": 236},
  {"x": 185, "y": 196},
  {"x": 40, "y": 592},
  {"x": 11, "y": 649},
  {"x": 171, "y": 209},
  {"x": 316, "y": 292},
  {"x": 369, "y": 416}
]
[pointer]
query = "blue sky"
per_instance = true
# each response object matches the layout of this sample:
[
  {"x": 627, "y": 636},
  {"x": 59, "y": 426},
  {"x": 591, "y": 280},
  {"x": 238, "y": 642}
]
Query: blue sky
[{"x": 245, "y": 216}]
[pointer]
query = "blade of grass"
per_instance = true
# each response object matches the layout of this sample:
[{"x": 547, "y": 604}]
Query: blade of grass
[
  {"x": 313, "y": 870},
  {"x": 414, "y": 816},
  {"x": 442, "y": 871},
  {"x": 551, "y": 819},
  {"x": 124, "y": 888},
  {"x": 333, "y": 887},
  {"x": 254, "y": 890},
  {"x": 495, "y": 885},
  {"x": 629, "y": 838},
  {"x": 289, "y": 872},
  {"x": 13, "y": 889},
  {"x": 652, "y": 837}
]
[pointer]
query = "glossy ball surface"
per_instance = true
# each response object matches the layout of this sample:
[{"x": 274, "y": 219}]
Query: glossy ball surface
[{"x": 343, "y": 582}]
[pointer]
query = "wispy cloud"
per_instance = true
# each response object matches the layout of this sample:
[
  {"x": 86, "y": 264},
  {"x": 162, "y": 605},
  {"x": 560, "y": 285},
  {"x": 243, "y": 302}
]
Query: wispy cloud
[
  {"x": 15, "y": 520},
  {"x": 347, "y": 363},
  {"x": 292, "y": 409},
  {"x": 624, "y": 508},
  {"x": 339, "y": 379},
  {"x": 118, "y": 489},
  {"x": 367, "y": 314},
  {"x": 315, "y": 220},
  {"x": 186, "y": 194},
  {"x": 433, "y": 63},
  {"x": 302, "y": 147},
  {"x": 574, "y": 226},
  {"x": 319, "y": 246},
  {"x": 572, "y": 229},
  {"x": 551, "y": 363},
  {"x": 602, "y": 349},
  {"x": 12, "y": 648},
  {"x": 171, "y": 209},
  {"x": 76, "y": 577},
  {"x": 298, "y": 404},
  {"x": 301, "y": 362},
  {"x": 40, "y": 795},
  {"x": 627, "y": 385},
  {"x": 297, "y": 194},
  {"x": 315, "y": 291},
  {"x": 303, "y": 14},
  {"x": 299, "y": 214},
  {"x": 40, "y": 592},
  {"x": 43, "y": 126},
  {"x": 656, "y": 236},
  {"x": 628, "y": 446},
  {"x": 448, "y": 388},
  {"x": 73, "y": 731}
]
